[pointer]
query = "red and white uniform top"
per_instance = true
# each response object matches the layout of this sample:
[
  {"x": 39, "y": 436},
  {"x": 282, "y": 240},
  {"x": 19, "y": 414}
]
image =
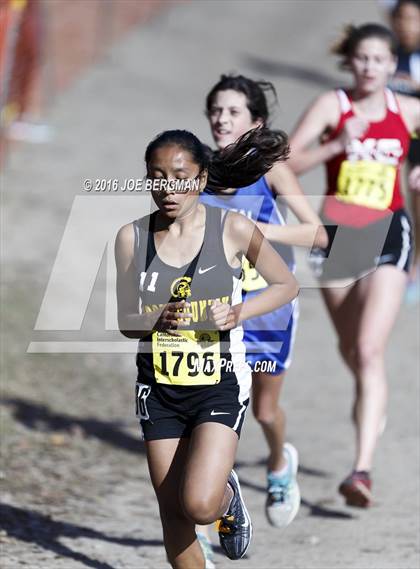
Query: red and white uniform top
[{"x": 364, "y": 180}]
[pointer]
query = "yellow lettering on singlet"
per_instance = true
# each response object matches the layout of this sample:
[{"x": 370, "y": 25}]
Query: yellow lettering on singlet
[
  {"x": 152, "y": 307},
  {"x": 194, "y": 311},
  {"x": 203, "y": 309},
  {"x": 198, "y": 308},
  {"x": 251, "y": 278}
]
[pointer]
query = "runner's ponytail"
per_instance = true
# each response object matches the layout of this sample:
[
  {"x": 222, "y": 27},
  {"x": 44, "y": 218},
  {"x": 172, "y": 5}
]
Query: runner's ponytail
[
  {"x": 239, "y": 164},
  {"x": 248, "y": 159}
]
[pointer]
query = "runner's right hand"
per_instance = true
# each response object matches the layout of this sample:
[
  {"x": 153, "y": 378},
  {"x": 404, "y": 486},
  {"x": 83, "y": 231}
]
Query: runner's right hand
[
  {"x": 173, "y": 315},
  {"x": 353, "y": 128}
]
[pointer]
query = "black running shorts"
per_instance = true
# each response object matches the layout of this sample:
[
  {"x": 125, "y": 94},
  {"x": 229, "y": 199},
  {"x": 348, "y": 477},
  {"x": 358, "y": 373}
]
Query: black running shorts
[
  {"x": 355, "y": 252},
  {"x": 171, "y": 412}
]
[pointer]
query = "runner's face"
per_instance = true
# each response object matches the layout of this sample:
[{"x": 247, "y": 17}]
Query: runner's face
[
  {"x": 406, "y": 25},
  {"x": 230, "y": 117},
  {"x": 172, "y": 163},
  {"x": 372, "y": 63}
]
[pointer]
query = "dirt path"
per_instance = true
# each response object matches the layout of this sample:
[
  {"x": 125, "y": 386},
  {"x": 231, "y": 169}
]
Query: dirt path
[{"x": 75, "y": 487}]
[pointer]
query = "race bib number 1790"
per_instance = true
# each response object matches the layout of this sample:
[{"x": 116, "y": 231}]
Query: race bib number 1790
[{"x": 193, "y": 358}]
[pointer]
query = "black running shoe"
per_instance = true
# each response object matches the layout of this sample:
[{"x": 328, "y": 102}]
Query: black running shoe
[{"x": 235, "y": 528}]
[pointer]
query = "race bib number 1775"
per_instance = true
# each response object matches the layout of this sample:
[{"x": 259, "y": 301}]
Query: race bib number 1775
[{"x": 366, "y": 183}]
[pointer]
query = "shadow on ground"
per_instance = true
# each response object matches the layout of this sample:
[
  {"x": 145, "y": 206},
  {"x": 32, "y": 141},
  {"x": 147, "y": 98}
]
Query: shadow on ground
[
  {"x": 33, "y": 527},
  {"x": 320, "y": 511},
  {"x": 306, "y": 470},
  {"x": 36, "y": 416},
  {"x": 316, "y": 509}
]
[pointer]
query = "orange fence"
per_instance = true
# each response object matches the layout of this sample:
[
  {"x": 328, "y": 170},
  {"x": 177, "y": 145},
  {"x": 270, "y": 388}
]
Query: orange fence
[{"x": 46, "y": 44}]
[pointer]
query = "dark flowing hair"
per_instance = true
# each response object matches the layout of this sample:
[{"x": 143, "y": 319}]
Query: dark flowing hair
[
  {"x": 239, "y": 164},
  {"x": 254, "y": 91},
  {"x": 353, "y": 35}
]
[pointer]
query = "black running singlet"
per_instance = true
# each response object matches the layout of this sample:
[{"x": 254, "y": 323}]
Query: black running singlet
[{"x": 201, "y": 355}]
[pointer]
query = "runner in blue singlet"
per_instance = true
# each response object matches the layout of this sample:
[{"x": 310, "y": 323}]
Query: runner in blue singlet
[{"x": 235, "y": 105}]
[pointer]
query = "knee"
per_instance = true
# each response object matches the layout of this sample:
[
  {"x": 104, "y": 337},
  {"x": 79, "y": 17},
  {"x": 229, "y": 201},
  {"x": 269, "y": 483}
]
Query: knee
[
  {"x": 265, "y": 414},
  {"x": 201, "y": 510},
  {"x": 368, "y": 353},
  {"x": 347, "y": 352}
]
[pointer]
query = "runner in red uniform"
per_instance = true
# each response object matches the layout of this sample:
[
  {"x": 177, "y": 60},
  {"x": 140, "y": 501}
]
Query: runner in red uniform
[
  {"x": 364, "y": 178},
  {"x": 364, "y": 134}
]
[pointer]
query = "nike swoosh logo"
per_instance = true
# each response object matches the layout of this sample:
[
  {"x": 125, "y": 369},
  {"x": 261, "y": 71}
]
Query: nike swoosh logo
[
  {"x": 218, "y": 413},
  {"x": 202, "y": 271}
]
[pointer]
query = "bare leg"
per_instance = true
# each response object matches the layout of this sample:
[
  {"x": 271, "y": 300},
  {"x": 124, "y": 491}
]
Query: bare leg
[
  {"x": 385, "y": 290},
  {"x": 363, "y": 316},
  {"x": 166, "y": 459},
  {"x": 344, "y": 306},
  {"x": 205, "y": 493},
  {"x": 190, "y": 480},
  {"x": 265, "y": 395}
]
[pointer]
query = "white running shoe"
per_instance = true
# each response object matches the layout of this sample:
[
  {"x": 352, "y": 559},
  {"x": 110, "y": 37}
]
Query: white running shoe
[
  {"x": 283, "y": 495},
  {"x": 207, "y": 549}
]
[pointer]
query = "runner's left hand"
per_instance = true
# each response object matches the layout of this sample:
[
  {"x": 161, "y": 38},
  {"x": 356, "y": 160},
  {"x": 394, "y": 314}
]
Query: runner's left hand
[
  {"x": 223, "y": 316},
  {"x": 414, "y": 179}
]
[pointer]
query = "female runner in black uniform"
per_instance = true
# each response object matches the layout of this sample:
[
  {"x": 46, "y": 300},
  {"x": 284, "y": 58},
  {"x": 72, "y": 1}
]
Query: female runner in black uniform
[{"x": 183, "y": 263}]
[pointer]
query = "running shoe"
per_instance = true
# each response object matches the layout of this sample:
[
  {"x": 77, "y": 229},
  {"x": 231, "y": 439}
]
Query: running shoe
[
  {"x": 356, "y": 489},
  {"x": 235, "y": 527},
  {"x": 207, "y": 550},
  {"x": 283, "y": 494}
]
